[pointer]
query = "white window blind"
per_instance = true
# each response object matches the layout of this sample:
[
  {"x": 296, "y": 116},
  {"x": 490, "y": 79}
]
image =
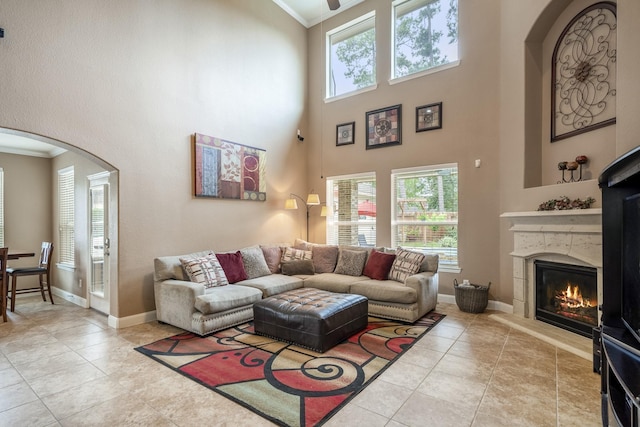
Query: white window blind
[
  {"x": 1, "y": 208},
  {"x": 425, "y": 211},
  {"x": 66, "y": 202},
  {"x": 351, "y": 219}
]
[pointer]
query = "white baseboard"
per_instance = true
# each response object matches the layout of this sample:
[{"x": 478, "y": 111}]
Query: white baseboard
[
  {"x": 68, "y": 296},
  {"x": 136, "y": 319},
  {"x": 492, "y": 305}
]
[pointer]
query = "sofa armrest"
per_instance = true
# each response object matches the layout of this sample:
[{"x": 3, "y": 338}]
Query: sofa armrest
[
  {"x": 426, "y": 286},
  {"x": 175, "y": 301}
]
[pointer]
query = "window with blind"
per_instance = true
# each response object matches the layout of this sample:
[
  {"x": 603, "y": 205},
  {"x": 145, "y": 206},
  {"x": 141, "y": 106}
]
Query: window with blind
[
  {"x": 425, "y": 211},
  {"x": 66, "y": 198},
  {"x": 351, "y": 219},
  {"x": 1, "y": 208}
]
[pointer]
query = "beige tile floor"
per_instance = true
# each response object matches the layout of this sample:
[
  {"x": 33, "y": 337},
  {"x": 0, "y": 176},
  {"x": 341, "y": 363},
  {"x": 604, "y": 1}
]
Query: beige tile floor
[{"x": 62, "y": 365}]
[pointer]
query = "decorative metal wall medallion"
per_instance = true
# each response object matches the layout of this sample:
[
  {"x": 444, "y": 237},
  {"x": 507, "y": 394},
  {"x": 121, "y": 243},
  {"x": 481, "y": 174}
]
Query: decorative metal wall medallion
[{"x": 583, "y": 70}]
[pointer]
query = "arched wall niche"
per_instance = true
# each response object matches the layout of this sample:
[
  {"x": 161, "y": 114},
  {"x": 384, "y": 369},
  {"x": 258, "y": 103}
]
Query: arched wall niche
[{"x": 541, "y": 157}]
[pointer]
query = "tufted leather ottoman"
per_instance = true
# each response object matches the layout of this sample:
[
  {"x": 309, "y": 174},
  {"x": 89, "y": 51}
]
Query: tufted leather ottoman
[{"x": 310, "y": 317}]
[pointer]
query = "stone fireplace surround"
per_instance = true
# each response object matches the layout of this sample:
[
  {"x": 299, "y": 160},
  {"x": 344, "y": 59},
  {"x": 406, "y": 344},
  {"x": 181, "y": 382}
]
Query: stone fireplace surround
[{"x": 566, "y": 236}]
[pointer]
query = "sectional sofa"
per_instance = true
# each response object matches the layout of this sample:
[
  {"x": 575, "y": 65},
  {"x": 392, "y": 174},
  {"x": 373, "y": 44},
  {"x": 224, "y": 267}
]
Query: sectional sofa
[{"x": 204, "y": 292}]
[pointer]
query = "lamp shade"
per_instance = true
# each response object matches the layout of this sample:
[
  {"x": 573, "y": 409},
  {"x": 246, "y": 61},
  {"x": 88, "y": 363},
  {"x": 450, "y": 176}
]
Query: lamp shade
[
  {"x": 290, "y": 204},
  {"x": 323, "y": 211},
  {"x": 313, "y": 199}
]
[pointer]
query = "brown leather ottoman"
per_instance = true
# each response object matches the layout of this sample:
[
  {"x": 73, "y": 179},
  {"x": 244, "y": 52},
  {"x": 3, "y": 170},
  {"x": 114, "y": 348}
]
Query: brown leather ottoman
[{"x": 310, "y": 317}]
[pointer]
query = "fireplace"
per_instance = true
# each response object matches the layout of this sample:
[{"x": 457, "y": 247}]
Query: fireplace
[{"x": 567, "y": 296}]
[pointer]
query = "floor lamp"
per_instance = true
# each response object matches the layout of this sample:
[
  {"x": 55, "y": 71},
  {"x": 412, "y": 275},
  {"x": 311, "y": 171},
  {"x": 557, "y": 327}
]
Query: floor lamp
[{"x": 313, "y": 199}]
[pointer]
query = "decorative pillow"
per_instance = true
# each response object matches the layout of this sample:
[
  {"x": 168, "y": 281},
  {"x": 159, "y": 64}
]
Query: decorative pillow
[
  {"x": 302, "y": 266},
  {"x": 206, "y": 270},
  {"x": 406, "y": 264},
  {"x": 303, "y": 244},
  {"x": 292, "y": 254},
  {"x": 232, "y": 265},
  {"x": 324, "y": 258},
  {"x": 351, "y": 263},
  {"x": 272, "y": 256},
  {"x": 378, "y": 265},
  {"x": 254, "y": 263}
]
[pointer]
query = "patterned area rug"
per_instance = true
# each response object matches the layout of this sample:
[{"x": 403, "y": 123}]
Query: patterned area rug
[{"x": 287, "y": 384}]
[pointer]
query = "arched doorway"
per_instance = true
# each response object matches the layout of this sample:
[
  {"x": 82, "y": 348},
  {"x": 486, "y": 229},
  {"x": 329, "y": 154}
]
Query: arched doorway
[{"x": 31, "y": 164}]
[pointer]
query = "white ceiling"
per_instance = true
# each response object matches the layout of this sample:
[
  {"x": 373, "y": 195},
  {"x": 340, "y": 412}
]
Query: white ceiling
[
  {"x": 307, "y": 12},
  {"x": 14, "y": 143},
  {"x": 312, "y": 12}
]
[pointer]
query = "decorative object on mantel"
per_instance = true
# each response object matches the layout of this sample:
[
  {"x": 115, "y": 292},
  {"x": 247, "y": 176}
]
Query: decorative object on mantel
[
  {"x": 564, "y": 203},
  {"x": 572, "y": 166},
  {"x": 583, "y": 72},
  {"x": 227, "y": 170}
]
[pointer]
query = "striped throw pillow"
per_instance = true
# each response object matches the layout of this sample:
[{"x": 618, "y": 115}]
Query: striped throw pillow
[
  {"x": 406, "y": 264},
  {"x": 206, "y": 270}
]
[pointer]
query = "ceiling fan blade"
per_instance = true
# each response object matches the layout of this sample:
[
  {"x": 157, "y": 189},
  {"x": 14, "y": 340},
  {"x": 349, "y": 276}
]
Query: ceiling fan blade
[{"x": 333, "y": 4}]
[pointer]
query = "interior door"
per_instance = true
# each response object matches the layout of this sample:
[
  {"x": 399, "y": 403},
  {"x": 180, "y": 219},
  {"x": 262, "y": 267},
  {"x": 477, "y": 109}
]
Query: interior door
[{"x": 99, "y": 242}]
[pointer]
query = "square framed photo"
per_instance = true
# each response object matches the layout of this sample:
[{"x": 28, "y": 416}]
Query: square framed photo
[
  {"x": 429, "y": 117},
  {"x": 384, "y": 127},
  {"x": 345, "y": 133}
]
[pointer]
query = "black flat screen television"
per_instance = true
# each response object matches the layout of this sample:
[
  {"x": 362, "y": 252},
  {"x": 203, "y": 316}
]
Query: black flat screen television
[{"x": 630, "y": 303}]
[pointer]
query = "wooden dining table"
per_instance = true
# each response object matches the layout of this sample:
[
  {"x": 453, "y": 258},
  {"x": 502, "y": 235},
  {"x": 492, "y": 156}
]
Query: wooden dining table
[{"x": 17, "y": 253}]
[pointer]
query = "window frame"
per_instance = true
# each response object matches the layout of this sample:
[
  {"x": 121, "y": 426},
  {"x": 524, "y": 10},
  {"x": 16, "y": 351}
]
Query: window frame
[
  {"x": 451, "y": 267},
  {"x": 417, "y": 4},
  {"x": 332, "y": 223},
  {"x": 66, "y": 216},
  {"x": 343, "y": 32}
]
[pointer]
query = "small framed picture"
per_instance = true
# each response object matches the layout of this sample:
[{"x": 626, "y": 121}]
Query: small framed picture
[
  {"x": 345, "y": 133},
  {"x": 429, "y": 117},
  {"x": 384, "y": 127}
]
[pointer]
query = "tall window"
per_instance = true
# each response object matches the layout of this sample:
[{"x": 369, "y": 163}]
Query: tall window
[
  {"x": 351, "y": 56},
  {"x": 425, "y": 35},
  {"x": 1, "y": 208},
  {"x": 425, "y": 211},
  {"x": 351, "y": 219},
  {"x": 66, "y": 203}
]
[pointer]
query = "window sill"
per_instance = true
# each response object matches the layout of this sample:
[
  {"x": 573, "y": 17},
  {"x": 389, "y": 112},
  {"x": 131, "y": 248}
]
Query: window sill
[
  {"x": 449, "y": 269},
  {"x": 350, "y": 94},
  {"x": 65, "y": 267},
  {"x": 419, "y": 74}
]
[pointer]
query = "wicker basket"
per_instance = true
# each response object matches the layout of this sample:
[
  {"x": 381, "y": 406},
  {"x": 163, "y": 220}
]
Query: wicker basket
[{"x": 472, "y": 299}]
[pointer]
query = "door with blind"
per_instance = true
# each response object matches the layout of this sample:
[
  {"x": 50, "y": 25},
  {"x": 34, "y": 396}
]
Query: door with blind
[{"x": 99, "y": 242}]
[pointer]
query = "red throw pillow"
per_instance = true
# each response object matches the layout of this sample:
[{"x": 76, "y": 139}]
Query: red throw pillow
[
  {"x": 378, "y": 265},
  {"x": 233, "y": 267}
]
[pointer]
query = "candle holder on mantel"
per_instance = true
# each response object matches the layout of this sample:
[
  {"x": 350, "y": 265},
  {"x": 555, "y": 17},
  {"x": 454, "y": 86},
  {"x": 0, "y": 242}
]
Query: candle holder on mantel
[{"x": 572, "y": 167}]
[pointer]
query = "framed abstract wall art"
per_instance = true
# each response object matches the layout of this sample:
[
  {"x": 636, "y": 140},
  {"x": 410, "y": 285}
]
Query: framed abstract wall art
[
  {"x": 228, "y": 170},
  {"x": 345, "y": 133},
  {"x": 384, "y": 127},
  {"x": 429, "y": 117}
]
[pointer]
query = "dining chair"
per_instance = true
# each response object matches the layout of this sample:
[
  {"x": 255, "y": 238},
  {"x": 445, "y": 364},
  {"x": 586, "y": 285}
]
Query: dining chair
[
  {"x": 4, "y": 252},
  {"x": 41, "y": 270}
]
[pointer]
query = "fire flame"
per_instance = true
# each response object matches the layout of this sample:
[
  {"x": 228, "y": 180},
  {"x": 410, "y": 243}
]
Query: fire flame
[{"x": 572, "y": 298}]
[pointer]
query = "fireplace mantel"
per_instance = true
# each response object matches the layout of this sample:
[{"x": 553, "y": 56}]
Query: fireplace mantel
[{"x": 563, "y": 236}]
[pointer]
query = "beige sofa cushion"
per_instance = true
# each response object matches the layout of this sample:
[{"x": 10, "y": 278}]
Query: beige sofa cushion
[
  {"x": 384, "y": 290},
  {"x": 224, "y": 298},
  {"x": 331, "y": 282},
  {"x": 273, "y": 284}
]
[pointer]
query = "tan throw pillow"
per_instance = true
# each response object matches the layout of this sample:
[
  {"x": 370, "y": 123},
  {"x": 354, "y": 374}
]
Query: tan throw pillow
[
  {"x": 206, "y": 270},
  {"x": 324, "y": 258},
  {"x": 406, "y": 264},
  {"x": 272, "y": 255},
  {"x": 351, "y": 263},
  {"x": 254, "y": 263},
  {"x": 292, "y": 254}
]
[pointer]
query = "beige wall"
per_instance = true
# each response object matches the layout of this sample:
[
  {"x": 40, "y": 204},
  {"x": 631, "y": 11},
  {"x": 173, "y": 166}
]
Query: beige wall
[
  {"x": 470, "y": 130},
  {"x": 27, "y": 206},
  {"x": 130, "y": 81}
]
